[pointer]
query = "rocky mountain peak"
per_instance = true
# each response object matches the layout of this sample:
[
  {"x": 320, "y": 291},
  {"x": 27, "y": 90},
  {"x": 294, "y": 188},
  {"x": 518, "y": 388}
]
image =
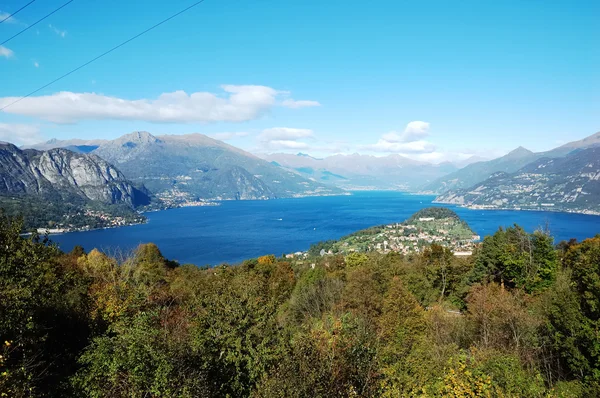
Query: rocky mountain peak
[
  {"x": 8, "y": 146},
  {"x": 520, "y": 151},
  {"x": 138, "y": 137},
  {"x": 60, "y": 172}
]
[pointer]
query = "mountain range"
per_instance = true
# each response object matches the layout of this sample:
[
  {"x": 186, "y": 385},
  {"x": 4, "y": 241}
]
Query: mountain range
[
  {"x": 509, "y": 163},
  {"x": 196, "y": 167},
  {"x": 199, "y": 167},
  {"x": 570, "y": 183},
  {"x": 358, "y": 172}
]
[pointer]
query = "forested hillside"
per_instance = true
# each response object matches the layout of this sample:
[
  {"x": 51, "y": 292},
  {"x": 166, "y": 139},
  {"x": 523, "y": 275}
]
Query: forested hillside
[
  {"x": 519, "y": 318},
  {"x": 570, "y": 184},
  {"x": 477, "y": 173}
]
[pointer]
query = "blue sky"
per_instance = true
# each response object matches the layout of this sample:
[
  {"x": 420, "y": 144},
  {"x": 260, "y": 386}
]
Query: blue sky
[{"x": 433, "y": 80}]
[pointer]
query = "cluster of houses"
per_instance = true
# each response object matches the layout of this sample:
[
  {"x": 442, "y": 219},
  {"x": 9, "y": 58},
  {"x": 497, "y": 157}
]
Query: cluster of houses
[
  {"x": 296, "y": 255},
  {"x": 109, "y": 220},
  {"x": 176, "y": 198},
  {"x": 410, "y": 237}
]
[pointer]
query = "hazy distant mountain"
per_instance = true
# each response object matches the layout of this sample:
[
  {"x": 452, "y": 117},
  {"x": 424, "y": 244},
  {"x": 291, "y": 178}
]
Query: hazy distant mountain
[
  {"x": 589, "y": 142},
  {"x": 509, "y": 163},
  {"x": 570, "y": 183},
  {"x": 479, "y": 171},
  {"x": 364, "y": 171},
  {"x": 75, "y": 145},
  {"x": 199, "y": 167},
  {"x": 473, "y": 159}
]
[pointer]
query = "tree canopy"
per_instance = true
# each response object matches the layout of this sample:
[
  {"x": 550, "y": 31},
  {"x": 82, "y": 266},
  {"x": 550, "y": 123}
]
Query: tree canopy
[{"x": 518, "y": 318}]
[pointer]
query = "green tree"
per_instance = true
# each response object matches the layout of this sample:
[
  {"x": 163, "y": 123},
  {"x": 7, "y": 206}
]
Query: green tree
[
  {"x": 573, "y": 313},
  {"x": 402, "y": 327},
  {"x": 443, "y": 269},
  {"x": 137, "y": 358},
  {"x": 331, "y": 357},
  {"x": 356, "y": 259},
  {"x": 235, "y": 328},
  {"x": 43, "y": 322},
  {"x": 516, "y": 259}
]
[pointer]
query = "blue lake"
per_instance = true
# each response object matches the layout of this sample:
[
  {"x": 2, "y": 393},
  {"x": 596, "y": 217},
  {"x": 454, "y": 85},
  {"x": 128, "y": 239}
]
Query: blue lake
[{"x": 238, "y": 230}]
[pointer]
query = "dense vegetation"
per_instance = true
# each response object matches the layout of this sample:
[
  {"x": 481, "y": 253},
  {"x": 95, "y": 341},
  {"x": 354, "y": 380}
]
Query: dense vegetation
[
  {"x": 519, "y": 318},
  {"x": 435, "y": 212},
  {"x": 72, "y": 213}
]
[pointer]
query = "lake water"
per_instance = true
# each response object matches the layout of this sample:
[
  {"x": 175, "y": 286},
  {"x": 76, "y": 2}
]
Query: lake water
[{"x": 238, "y": 230}]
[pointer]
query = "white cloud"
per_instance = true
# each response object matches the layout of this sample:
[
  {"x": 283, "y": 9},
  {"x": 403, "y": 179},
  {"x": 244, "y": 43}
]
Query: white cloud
[
  {"x": 432, "y": 157},
  {"x": 36, "y": 64},
  {"x": 281, "y": 138},
  {"x": 284, "y": 133},
  {"x": 6, "y": 52},
  {"x": 290, "y": 103},
  {"x": 4, "y": 15},
  {"x": 228, "y": 136},
  {"x": 285, "y": 144},
  {"x": 233, "y": 104},
  {"x": 287, "y": 139},
  {"x": 417, "y": 127},
  {"x": 60, "y": 32},
  {"x": 413, "y": 147},
  {"x": 414, "y": 131},
  {"x": 20, "y": 134},
  {"x": 460, "y": 158},
  {"x": 410, "y": 141}
]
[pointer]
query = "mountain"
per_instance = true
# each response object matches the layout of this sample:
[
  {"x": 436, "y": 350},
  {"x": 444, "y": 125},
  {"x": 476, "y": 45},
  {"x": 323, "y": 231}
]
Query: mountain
[
  {"x": 75, "y": 145},
  {"x": 589, "y": 142},
  {"x": 195, "y": 166},
  {"x": 570, "y": 183},
  {"x": 60, "y": 171},
  {"x": 509, "y": 163},
  {"x": 57, "y": 184},
  {"x": 479, "y": 171},
  {"x": 472, "y": 159},
  {"x": 364, "y": 171}
]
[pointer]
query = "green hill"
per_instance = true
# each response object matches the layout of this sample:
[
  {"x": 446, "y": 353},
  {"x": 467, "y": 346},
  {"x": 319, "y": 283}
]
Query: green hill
[{"x": 431, "y": 225}]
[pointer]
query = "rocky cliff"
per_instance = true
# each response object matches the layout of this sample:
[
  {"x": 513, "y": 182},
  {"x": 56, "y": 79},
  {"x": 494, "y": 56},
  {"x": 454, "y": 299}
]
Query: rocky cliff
[{"x": 63, "y": 173}]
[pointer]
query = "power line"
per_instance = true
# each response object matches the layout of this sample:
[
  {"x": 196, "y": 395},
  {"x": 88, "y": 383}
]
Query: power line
[
  {"x": 35, "y": 23},
  {"x": 16, "y": 12},
  {"x": 104, "y": 53}
]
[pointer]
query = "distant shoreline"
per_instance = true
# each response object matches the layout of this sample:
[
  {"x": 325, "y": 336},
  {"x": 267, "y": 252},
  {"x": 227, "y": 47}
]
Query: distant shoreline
[
  {"x": 206, "y": 203},
  {"x": 68, "y": 231},
  {"x": 541, "y": 210},
  {"x": 214, "y": 202}
]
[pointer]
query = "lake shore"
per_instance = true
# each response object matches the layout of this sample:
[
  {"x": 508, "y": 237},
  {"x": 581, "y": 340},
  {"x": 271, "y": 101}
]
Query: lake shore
[
  {"x": 548, "y": 209},
  {"x": 238, "y": 230}
]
